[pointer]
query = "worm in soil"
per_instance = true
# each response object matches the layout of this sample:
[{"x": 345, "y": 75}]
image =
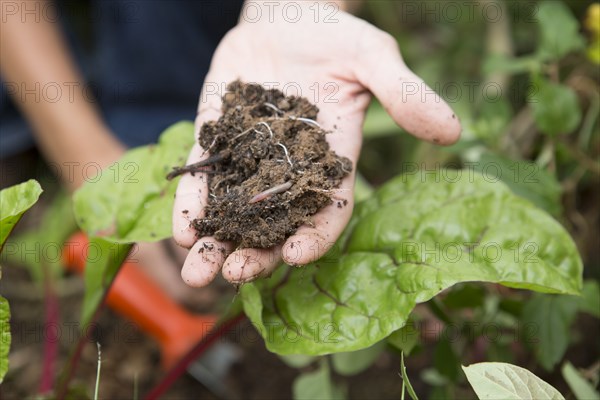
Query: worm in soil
[
  {"x": 200, "y": 166},
  {"x": 270, "y": 192}
]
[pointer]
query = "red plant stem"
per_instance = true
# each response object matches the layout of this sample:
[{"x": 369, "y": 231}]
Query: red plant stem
[
  {"x": 50, "y": 342},
  {"x": 174, "y": 373},
  {"x": 62, "y": 386}
]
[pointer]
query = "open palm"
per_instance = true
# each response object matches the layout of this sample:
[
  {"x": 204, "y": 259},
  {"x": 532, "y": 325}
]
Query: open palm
[{"x": 335, "y": 64}]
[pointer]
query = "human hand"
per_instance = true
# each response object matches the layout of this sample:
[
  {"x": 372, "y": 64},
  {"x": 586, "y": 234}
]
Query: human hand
[{"x": 348, "y": 59}]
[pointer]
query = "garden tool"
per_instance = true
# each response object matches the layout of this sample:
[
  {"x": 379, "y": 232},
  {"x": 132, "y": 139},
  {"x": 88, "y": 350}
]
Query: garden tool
[{"x": 136, "y": 297}]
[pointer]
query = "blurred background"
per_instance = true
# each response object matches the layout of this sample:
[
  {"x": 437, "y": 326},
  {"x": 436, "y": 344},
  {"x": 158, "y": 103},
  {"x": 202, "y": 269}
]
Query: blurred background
[{"x": 524, "y": 79}]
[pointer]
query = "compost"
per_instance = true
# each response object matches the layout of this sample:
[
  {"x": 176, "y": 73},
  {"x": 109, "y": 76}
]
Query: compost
[{"x": 269, "y": 167}]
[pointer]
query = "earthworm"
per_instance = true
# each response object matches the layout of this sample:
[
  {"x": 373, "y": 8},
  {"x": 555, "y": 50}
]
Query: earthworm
[
  {"x": 270, "y": 192},
  {"x": 196, "y": 167}
]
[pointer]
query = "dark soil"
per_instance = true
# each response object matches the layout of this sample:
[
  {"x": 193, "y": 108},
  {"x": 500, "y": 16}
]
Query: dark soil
[{"x": 271, "y": 167}]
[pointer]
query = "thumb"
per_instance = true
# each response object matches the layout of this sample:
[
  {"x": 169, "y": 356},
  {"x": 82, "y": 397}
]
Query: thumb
[{"x": 409, "y": 101}]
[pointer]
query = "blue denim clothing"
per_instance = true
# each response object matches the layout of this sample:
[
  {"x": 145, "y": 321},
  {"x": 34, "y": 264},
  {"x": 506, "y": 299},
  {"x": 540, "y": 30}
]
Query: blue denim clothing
[{"x": 144, "y": 62}]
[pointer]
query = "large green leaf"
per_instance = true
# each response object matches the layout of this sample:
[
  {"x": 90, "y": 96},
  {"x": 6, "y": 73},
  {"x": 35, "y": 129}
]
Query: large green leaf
[
  {"x": 14, "y": 201},
  {"x": 549, "y": 318},
  {"x": 132, "y": 200},
  {"x": 4, "y": 336},
  {"x": 555, "y": 108},
  {"x": 501, "y": 381},
  {"x": 526, "y": 179},
  {"x": 418, "y": 235}
]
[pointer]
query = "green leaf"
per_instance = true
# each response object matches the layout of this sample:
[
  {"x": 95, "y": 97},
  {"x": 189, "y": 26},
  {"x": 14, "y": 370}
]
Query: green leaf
[
  {"x": 500, "y": 63},
  {"x": 298, "y": 360},
  {"x": 55, "y": 227},
  {"x": 14, "y": 201},
  {"x": 418, "y": 235},
  {"x": 506, "y": 382},
  {"x": 405, "y": 381},
  {"x": 362, "y": 189},
  {"x": 525, "y": 179},
  {"x": 445, "y": 360},
  {"x": 317, "y": 385},
  {"x": 432, "y": 377},
  {"x": 441, "y": 228},
  {"x": 559, "y": 31},
  {"x": 582, "y": 389},
  {"x": 550, "y": 318},
  {"x": 441, "y": 393},
  {"x": 493, "y": 118},
  {"x": 555, "y": 108},
  {"x": 354, "y": 362},
  {"x": 406, "y": 338},
  {"x": 5, "y": 338},
  {"x": 103, "y": 262},
  {"x": 500, "y": 352},
  {"x": 589, "y": 301},
  {"x": 465, "y": 296},
  {"x": 132, "y": 200}
]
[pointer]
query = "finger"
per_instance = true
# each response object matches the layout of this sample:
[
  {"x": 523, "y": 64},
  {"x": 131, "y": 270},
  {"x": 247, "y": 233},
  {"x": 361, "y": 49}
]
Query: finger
[
  {"x": 192, "y": 191},
  {"x": 190, "y": 198},
  {"x": 409, "y": 101},
  {"x": 204, "y": 261},
  {"x": 177, "y": 252},
  {"x": 245, "y": 265},
  {"x": 157, "y": 263},
  {"x": 311, "y": 242}
]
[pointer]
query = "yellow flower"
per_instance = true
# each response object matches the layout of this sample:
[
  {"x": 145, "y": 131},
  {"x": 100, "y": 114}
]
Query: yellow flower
[
  {"x": 592, "y": 24},
  {"x": 592, "y": 19}
]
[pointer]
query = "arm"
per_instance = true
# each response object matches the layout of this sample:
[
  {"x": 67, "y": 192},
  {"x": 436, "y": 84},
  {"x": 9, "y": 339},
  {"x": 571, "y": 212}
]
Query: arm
[{"x": 68, "y": 128}]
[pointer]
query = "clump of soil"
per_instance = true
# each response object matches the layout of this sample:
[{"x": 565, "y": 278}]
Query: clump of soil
[{"x": 270, "y": 170}]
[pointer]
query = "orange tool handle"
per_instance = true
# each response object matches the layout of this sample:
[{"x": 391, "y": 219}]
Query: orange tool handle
[{"x": 136, "y": 297}]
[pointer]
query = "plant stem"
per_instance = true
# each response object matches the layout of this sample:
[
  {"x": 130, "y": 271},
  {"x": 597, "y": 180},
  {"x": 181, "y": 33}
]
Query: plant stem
[
  {"x": 50, "y": 346},
  {"x": 62, "y": 385},
  {"x": 204, "y": 344}
]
